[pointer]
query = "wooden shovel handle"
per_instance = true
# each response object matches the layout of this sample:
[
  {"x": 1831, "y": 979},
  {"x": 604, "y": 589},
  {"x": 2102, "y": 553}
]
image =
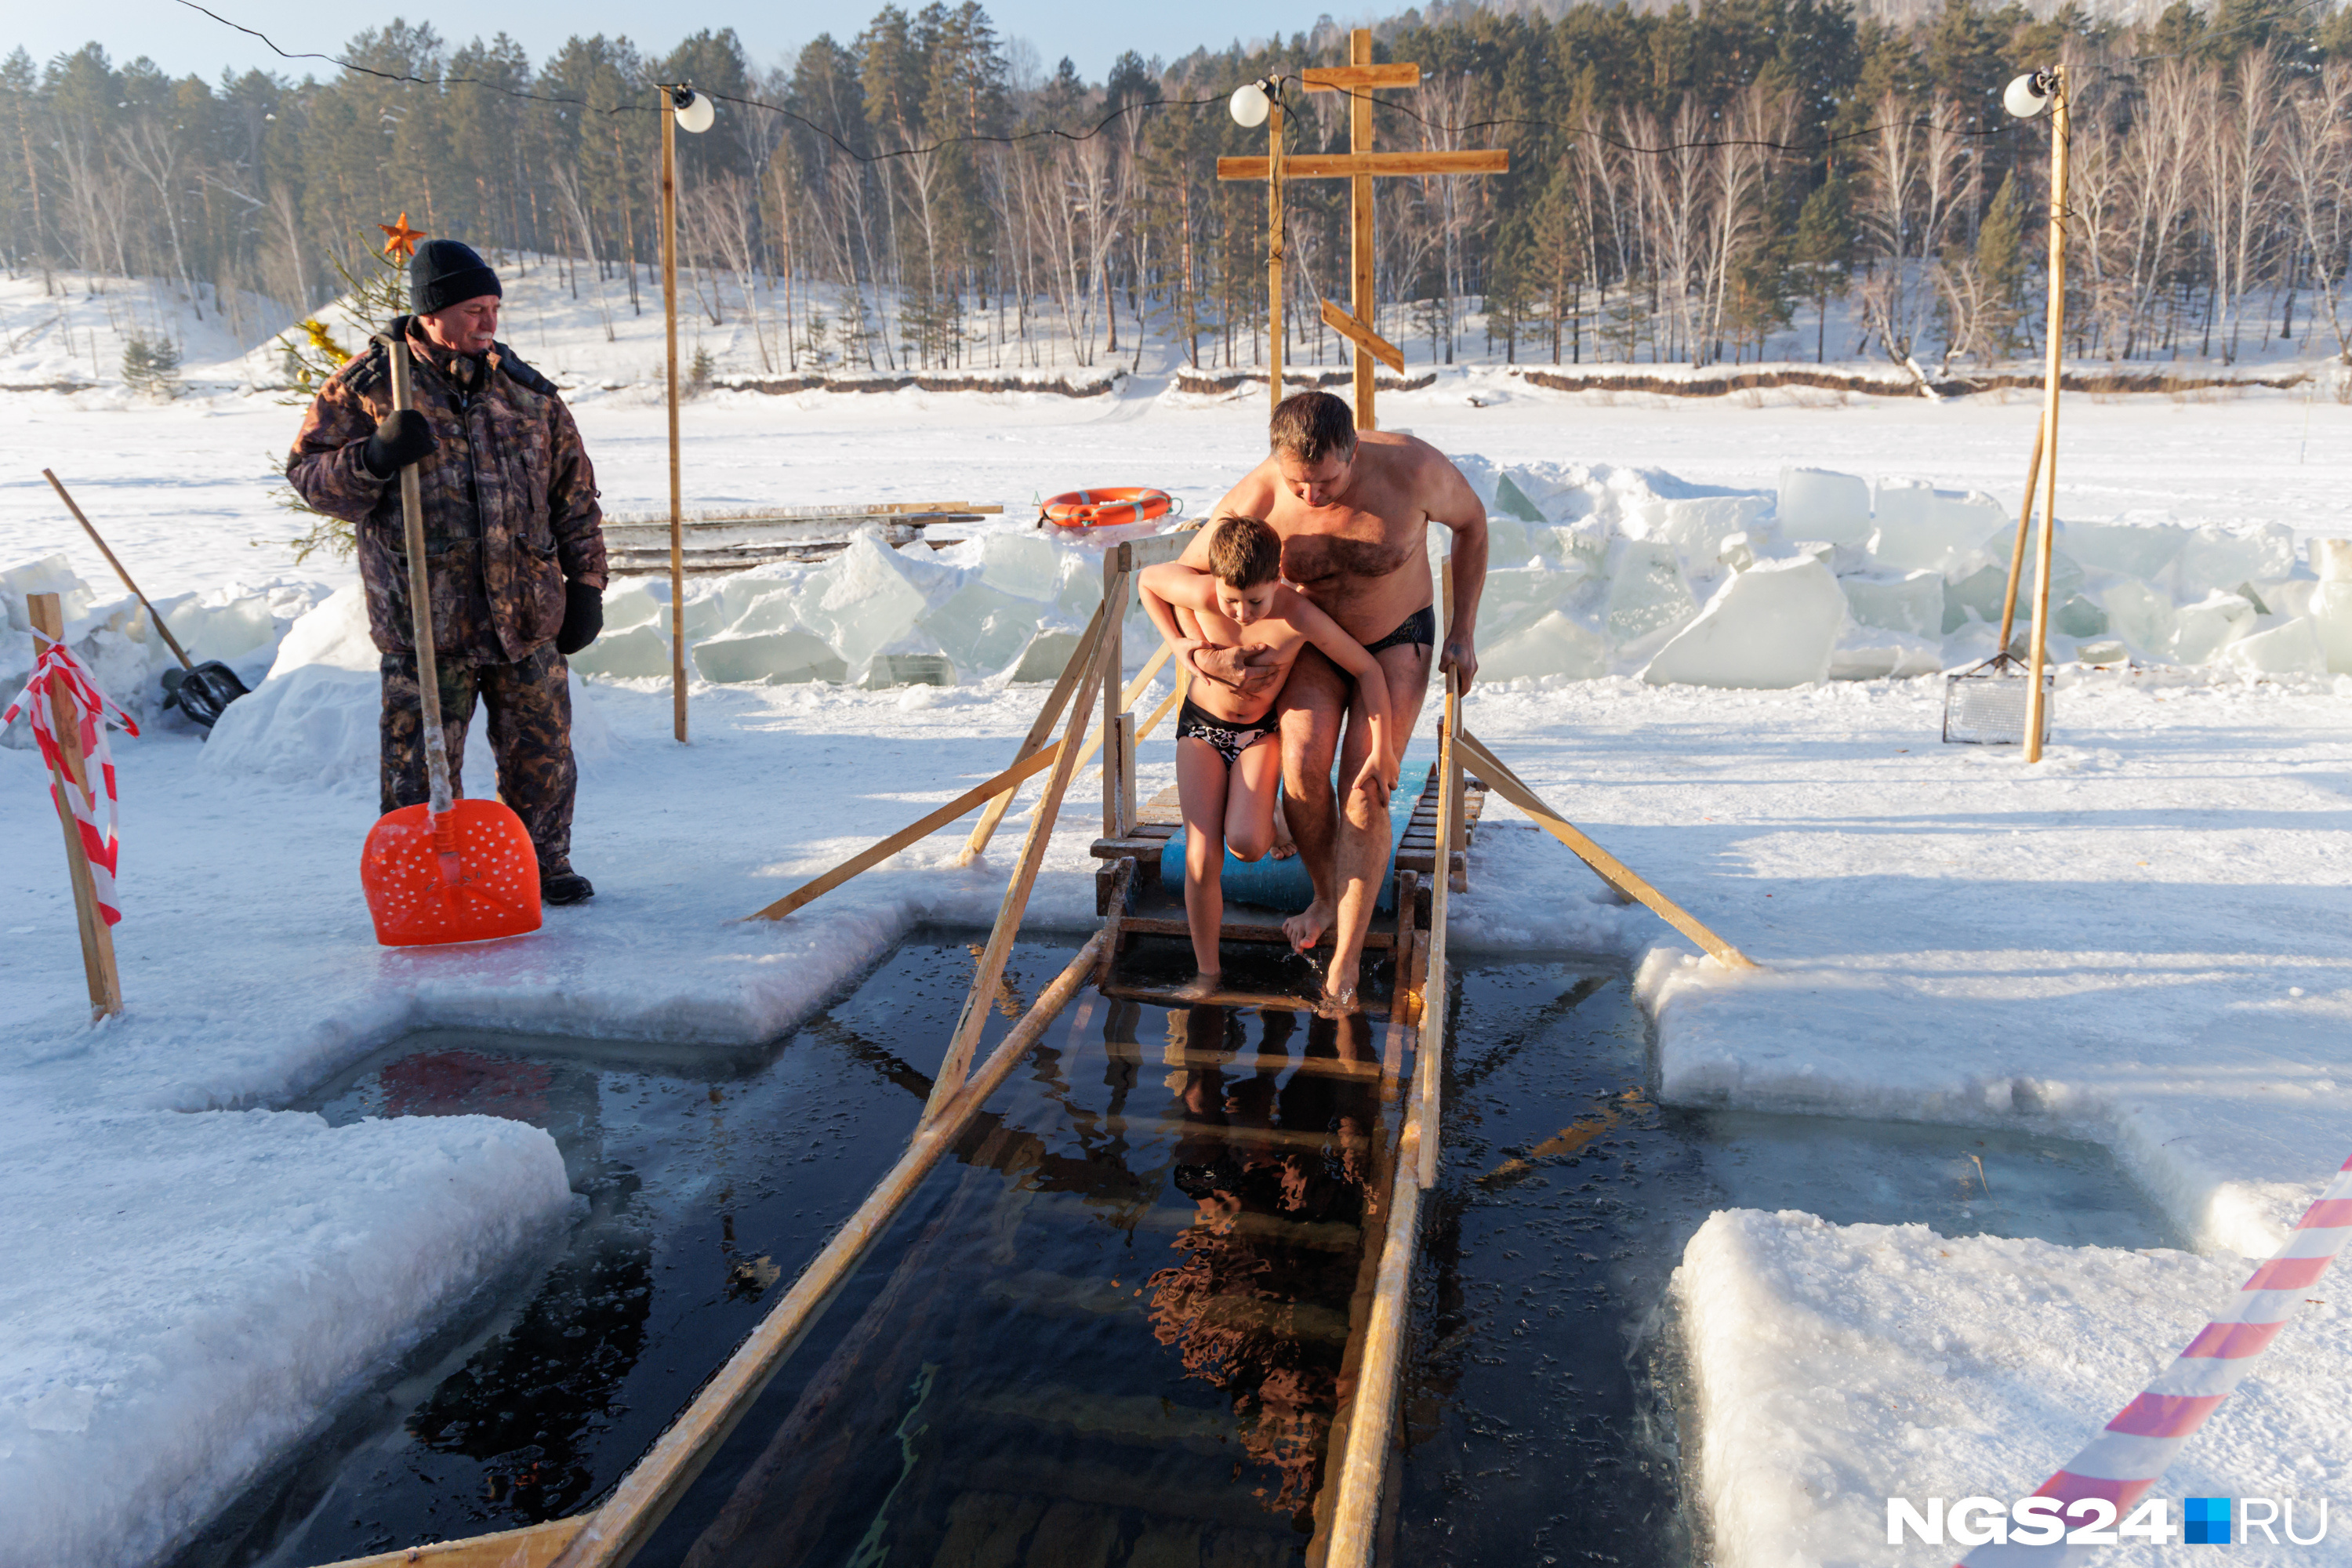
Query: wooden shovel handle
[{"x": 420, "y": 601}]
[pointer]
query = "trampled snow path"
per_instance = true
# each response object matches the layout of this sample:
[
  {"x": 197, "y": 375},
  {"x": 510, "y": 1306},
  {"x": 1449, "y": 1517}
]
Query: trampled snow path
[{"x": 1940, "y": 924}]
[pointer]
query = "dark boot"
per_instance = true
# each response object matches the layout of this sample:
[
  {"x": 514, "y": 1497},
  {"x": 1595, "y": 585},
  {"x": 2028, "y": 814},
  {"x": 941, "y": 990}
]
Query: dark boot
[{"x": 562, "y": 886}]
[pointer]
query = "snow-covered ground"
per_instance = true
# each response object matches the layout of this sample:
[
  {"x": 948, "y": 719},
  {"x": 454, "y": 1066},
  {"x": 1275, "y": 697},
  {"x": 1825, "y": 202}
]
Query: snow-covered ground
[{"x": 2142, "y": 940}]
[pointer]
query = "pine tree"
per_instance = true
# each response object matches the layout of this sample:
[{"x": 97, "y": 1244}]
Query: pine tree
[
  {"x": 2000, "y": 262},
  {"x": 1823, "y": 250},
  {"x": 151, "y": 369}
]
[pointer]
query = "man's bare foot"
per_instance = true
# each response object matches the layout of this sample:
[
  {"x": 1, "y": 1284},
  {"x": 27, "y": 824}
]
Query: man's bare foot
[
  {"x": 1284, "y": 846},
  {"x": 1306, "y": 928},
  {"x": 1200, "y": 988},
  {"x": 1337, "y": 1002}
]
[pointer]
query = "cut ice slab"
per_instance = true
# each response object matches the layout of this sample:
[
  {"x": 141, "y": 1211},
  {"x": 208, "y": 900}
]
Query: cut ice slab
[
  {"x": 1555, "y": 645},
  {"x": 641, "y": 652},
  {"x": 2143, "y": 617},
  {"x": 2331, "y": 615},
  {"x": 1875, "y": 653},
  {"x": 1647, "y": 596},
  {"x": 784, "y": 658},
  {"x": 2211, "y": 625},
  {"x": 873, "y": 596},
  {"x": 1698, "y": 526},
  {"x": 2214, "y": 559},
  {"x": 1772, "y": 626},
  {"x": 1048, "y": 653},
  {"x": 1516, "y": 598},
  {"x": 1025, "y": 566},
  {"x": 2125, "y": 548},
  {"x": 1922, "y": 527},
  {"x": 1911, "y": 604},
  {"x": 1816, "y": 503},
  {"x": 48, "y": 574},
  {"x": 2291, "y": 649}
]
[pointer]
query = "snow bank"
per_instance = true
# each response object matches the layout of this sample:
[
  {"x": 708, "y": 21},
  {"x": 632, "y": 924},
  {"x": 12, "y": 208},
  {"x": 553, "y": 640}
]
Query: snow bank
[
  {"x": 239, "y": 625},
  {"x": 1659, "y": 579},
  {"x": 172, "y": 1321},
  {"x": 1835, "y": 1366}
]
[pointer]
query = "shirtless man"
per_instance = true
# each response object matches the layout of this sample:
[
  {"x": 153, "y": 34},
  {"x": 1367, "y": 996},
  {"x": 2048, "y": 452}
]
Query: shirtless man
[{"x": 1353, "y": 512}]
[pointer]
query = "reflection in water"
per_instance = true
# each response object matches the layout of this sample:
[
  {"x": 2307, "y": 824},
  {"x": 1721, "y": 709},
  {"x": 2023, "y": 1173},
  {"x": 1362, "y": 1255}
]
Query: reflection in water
[
  {"x": 1115, "y": 1333},
  {"x": 1232, "y": 1306}
]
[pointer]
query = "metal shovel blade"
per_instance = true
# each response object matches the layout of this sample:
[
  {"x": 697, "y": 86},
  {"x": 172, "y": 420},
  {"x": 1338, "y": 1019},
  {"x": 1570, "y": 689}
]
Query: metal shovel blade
[{"x": 477, "y": 880}]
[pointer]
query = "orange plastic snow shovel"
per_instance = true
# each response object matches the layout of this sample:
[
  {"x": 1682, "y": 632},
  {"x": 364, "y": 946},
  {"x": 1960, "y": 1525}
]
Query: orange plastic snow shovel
[{"x": 449, "y": 870}]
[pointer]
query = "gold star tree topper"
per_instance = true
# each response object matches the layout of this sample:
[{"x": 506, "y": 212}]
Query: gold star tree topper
[{"x": 399, "y": 239}]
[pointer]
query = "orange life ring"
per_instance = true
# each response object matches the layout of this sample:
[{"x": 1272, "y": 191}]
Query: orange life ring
[{"x": 1105, "y": 507}]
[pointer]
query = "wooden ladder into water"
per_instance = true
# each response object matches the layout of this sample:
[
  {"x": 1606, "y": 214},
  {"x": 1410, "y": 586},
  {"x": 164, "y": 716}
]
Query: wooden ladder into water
[{"x": 1361, "y": 1455}]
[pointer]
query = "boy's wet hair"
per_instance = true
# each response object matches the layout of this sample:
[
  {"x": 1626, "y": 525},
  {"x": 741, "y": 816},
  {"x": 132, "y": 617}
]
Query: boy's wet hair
[{"x": 1243, "y": 552}]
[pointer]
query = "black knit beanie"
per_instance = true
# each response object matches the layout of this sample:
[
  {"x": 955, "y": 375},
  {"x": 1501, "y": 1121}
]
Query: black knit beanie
[{"x": 445, "y": 273}]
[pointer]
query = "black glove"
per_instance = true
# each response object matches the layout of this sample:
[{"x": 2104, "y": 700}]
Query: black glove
[
  {"x": 583, "y": 618},
  {"x": 403, "y": 437}
]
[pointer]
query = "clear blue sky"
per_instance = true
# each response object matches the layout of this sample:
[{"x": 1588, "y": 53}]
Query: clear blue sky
[{"x": 182, "y": 40}]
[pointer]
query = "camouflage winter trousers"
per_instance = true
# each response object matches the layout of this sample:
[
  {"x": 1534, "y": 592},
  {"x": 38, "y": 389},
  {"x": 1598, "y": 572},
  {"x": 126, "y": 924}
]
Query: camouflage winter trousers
[{"x": 529, "y": 704}]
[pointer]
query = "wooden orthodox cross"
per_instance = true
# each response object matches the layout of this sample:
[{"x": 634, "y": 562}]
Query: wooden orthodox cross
[{"x": 1360, "y": 165}]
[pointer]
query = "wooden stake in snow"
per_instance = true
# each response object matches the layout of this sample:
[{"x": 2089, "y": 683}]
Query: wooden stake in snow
[
  {"x": 67, "y": 774},
  {"x": 1360, "y": 165}
]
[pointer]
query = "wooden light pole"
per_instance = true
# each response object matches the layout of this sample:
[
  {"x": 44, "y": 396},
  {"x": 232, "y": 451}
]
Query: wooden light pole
[
  {"x": 2052, "y": 85},
  {"x": 681, "y": 105},
  {"x": 669, "y": 340},
  {"x": 1273, "y": 247}
]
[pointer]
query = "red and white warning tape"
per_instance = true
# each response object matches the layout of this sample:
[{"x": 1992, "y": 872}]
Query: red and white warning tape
[
  {"x": 2127, "y": 1458},
  {"x": 91, "y": 708}
]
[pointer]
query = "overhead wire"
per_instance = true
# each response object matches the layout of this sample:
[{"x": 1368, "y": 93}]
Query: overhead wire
[{"x": 1055, "y": 132}]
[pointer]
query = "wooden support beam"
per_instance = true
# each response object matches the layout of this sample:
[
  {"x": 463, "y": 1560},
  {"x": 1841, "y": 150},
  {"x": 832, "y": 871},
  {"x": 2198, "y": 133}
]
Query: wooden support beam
[
  {"x": 615, "y": 1531},
  {"x": 983, "y": 995},
  {"x": 99, "y": 971},
  {"x": 533, "y": 1546},
  {"x": 1363, "y": 1466},
  {"x": 1010, "y": 780},
  {"x": 1090, "y": 642},
  {"x": 1364, "y": 338},
  {"x": 1361, "y": 77},
  {"x": 1347, "y": 166},
  {"x": 1503, "y": 781}
]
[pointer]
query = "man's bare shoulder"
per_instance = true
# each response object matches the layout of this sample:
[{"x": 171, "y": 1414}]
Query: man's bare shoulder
[{"x": 1415, "y": 467}]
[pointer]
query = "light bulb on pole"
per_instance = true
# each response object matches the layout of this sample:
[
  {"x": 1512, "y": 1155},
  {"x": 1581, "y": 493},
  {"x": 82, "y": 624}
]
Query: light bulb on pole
[
  {"x": 1249, "y": 105},
  {"x": 694, "y": 110},
  {"x": 2029, "y": 95}
]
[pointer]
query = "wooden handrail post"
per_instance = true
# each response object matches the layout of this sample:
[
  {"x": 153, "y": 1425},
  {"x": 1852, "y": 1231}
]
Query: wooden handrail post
[
  {"x": 1118, "y": 568},
  {"x": 65, "y": 721},
  {"x": 983, "y": 995},
  {"x": 1081, "y": 661}
]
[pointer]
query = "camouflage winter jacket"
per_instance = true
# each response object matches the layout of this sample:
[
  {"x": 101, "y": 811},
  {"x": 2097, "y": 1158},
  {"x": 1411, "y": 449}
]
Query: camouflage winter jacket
[{"x": 509, "y": 499}]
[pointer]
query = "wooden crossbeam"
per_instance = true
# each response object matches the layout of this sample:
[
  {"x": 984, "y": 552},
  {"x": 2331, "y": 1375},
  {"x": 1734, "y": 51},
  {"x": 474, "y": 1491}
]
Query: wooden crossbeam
[
  {"x": 1506, "y": 783},
  {"x": 1345, "y": 165},
  {"x": 1359, "y": 77},
  {"x": 1363, "y": 337}
]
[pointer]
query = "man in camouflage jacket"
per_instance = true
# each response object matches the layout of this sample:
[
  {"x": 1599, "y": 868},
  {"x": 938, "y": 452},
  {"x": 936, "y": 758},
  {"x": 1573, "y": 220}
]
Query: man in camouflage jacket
[{"x": 514, "y": 543}]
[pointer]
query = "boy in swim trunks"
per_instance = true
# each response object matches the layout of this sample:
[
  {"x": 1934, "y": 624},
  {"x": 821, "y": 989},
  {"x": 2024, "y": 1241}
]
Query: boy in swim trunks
[{"x": 1227, "y": 769}]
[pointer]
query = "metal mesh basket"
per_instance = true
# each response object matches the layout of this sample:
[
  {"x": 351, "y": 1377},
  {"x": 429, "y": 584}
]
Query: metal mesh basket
[{"x": 1986, "y": 706}]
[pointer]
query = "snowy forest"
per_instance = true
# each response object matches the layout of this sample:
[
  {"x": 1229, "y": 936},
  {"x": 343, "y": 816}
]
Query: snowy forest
[{"x": 1684, "y": 183}]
